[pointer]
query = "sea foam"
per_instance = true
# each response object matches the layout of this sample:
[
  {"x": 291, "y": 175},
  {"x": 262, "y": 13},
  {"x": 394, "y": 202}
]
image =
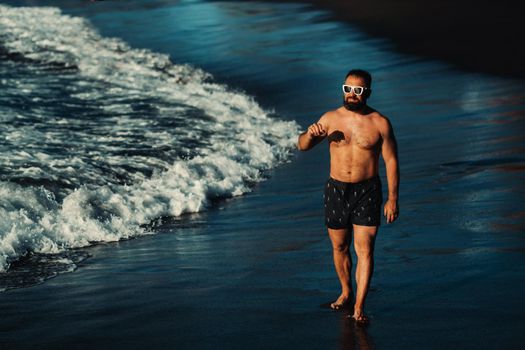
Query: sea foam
[{"x": 131, "y": 137}]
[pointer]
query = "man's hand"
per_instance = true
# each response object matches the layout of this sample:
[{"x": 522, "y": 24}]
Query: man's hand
[
  {"x": 311, "y": 137},
  {"x": 391, "y": 210},
  {"x": 316, "y": 129}
]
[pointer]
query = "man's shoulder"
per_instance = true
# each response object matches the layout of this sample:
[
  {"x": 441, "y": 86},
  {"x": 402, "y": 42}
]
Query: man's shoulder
[
  {"x": 330, "y": 115},
  {"x": 379, "y": 118},
  {"x": 381, "y": 122}
]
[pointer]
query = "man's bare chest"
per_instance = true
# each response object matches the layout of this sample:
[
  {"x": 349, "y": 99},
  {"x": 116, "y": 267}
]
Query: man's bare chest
[{"x": 361, "y": 135}]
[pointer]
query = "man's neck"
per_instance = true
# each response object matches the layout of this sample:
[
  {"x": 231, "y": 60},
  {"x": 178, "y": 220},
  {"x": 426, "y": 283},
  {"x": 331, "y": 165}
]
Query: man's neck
[{"x": 365, "y": 110}]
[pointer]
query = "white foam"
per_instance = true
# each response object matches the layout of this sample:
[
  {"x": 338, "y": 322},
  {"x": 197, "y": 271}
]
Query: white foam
[{"x": 238, "y": 140}]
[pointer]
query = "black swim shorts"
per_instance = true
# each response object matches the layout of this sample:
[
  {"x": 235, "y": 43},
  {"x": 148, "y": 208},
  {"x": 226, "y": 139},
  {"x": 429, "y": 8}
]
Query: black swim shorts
[{"x": 348, "y": 203}]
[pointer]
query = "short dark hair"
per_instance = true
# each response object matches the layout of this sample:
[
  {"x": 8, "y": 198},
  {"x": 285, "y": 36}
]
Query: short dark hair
[{"x": 361, "y": 74}]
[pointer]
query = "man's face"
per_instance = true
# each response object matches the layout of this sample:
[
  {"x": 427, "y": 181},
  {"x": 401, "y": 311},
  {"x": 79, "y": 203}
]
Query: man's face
[{"x": 351, "y": 101}]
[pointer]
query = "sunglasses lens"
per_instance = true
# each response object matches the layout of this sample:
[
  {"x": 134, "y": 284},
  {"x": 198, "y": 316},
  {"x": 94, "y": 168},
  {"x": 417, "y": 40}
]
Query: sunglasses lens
[{"x": 358, "y": 90}]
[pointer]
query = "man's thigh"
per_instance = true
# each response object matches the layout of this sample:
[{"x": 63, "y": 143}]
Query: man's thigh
[
  {"x": 340, "y": 237},
  {"x": 364, "y": 238}
]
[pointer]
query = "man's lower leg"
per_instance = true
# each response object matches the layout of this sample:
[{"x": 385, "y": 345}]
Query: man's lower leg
[
  {"x": 343, "y": 267},
  {"x": 364, "y": 269}
]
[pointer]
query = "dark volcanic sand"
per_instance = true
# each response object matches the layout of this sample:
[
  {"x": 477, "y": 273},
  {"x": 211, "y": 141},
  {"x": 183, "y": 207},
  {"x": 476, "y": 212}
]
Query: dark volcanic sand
[
  {"x": 473, "y": 35},
  {"x": 252, "y": 272}
]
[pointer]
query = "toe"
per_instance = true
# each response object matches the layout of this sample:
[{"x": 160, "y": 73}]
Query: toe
[
  {"x": 362, "y": 319},
  {"x": 335, "y": 306}
]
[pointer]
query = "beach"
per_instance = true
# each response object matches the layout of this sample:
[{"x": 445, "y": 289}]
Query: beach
[
  {"x": 124, "y": 148},
  {"x": 470, "y": 34}
]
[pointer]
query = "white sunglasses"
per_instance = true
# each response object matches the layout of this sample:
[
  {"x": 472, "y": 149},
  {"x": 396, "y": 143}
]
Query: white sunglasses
[{"x": 358, "y": 90}]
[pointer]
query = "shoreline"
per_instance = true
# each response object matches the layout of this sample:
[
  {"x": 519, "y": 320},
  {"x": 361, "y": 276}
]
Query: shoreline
[
  {"x": 253, "y": 267},
  {"x": 475, "y": 36}
]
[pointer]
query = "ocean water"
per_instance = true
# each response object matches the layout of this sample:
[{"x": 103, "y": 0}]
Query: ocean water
[
  {"x": 175, "y": 122},
  {"x": 101, "y": 138}
]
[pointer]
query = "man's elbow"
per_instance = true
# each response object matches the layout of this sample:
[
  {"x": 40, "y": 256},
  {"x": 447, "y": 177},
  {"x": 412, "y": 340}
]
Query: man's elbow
[
  {"x": 300, "y": 146},
  {"x": 390, "y": 161}
]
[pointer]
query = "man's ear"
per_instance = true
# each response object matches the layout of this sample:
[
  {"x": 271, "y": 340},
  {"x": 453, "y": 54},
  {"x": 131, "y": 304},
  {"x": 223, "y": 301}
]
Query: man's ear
[{"x": 368, "y": 93}]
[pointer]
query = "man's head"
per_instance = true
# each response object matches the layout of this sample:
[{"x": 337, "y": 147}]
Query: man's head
[{"x": 356, "y": 89}]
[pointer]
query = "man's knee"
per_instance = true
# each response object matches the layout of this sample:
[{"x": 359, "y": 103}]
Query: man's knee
[
  {"x": 340, "y": 240},
  {"x": 341, "y": 248},
  {"x": 364, "y": 241},
  {"x": 364, "y": 252},
  {"x": 364, "y": 249}
]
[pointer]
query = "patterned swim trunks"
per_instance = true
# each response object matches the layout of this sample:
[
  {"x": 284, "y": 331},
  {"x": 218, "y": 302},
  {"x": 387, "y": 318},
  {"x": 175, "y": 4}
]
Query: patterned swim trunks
[{"x": 348, "y": 203}]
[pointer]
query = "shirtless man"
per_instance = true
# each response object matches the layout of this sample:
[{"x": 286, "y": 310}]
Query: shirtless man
[{"x": 356, "y": 134}]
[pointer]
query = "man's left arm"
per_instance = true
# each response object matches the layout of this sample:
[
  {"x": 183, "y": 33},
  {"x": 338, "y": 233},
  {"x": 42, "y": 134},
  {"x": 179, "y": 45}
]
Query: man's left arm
[{"x": 389, "y": 153}]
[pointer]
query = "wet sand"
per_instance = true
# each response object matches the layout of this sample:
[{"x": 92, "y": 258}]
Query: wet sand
[
  {"x": 472, "y": 35},
  {"x": 253, "y": 271}
]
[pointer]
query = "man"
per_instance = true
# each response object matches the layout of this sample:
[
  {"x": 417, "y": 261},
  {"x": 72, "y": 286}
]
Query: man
[{"x": 356, "y": 134}]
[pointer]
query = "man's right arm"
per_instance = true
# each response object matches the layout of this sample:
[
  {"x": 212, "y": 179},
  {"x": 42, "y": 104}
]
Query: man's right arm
[{"x": 315, "y": 134}]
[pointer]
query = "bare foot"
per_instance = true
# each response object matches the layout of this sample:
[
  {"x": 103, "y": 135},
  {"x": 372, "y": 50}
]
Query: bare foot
[
  {"x": 343, "y": 301},
  {"x": 360, "y": 317}
]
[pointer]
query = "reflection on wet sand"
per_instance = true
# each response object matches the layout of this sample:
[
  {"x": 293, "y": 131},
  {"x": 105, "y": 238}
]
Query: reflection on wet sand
[{"x": 353, "y": 335}]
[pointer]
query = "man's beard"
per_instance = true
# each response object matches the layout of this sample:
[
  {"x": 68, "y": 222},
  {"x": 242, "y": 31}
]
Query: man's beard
[{"x": 354, "y": 106}]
